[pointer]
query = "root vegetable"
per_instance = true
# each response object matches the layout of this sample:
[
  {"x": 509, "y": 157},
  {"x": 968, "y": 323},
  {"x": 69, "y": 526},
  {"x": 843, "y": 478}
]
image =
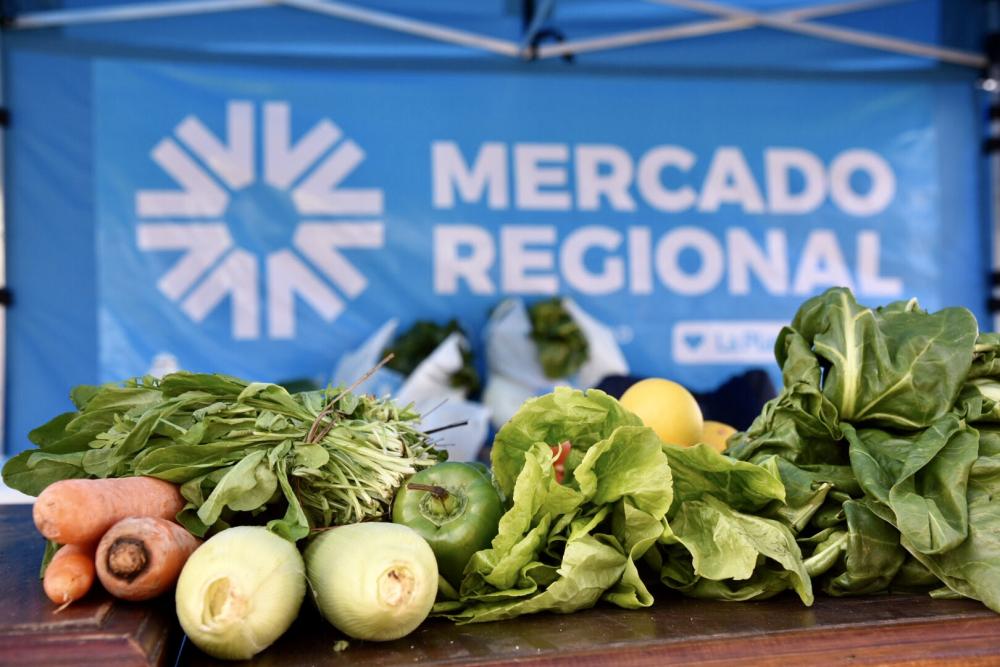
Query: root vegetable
[
  {"x": 77, "y": 511},
  {"x": 374, "y": 581},
  {"x": 70, "y": 574},
  {"x": 140, "y": 558},
  {"x": 240, "y": 591}
]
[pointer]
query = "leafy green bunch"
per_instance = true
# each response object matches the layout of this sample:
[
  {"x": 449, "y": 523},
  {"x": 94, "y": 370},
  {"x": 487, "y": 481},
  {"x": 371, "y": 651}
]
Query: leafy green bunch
[
  {"x": 418, "y": 342},
  {"x": 886, "y": 435},
  {"x": 631, "y": 511},
  {"x": 242, "y": 452},
  {"x": 562, "y": 347}
]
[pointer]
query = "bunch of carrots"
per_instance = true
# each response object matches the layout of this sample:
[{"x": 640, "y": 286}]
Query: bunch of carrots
[{"x": 120, "y": 529}]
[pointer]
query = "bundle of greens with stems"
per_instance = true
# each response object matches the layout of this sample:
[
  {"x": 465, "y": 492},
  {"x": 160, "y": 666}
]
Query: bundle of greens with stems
[{"x": 242, "y": 452}]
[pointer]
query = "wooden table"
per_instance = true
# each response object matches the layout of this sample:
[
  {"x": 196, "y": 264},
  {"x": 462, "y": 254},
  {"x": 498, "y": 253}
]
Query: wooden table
[
  {"x": 873, "y": 630},
  {"x": 97, "y": 631}
]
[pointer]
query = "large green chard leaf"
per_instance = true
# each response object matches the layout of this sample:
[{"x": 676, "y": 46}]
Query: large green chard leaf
[
  {"x": 972, "y": 569},
  {"x": 921, "y": 477},
  {"x": 872, "y": 554},
  {"x": 896, "y": 366}
]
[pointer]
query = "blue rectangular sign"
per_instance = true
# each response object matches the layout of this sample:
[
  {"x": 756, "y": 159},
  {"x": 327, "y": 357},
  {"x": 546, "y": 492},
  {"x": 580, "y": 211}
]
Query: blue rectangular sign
[{"x": 262, "y": 221}]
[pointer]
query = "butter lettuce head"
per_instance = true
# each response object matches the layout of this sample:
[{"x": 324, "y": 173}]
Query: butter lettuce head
[{"x": 565, "y": 414}]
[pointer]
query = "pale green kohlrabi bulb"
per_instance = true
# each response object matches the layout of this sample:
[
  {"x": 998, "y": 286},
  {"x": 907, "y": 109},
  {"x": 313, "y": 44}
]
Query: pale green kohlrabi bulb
[
  {"x": 240, "y": 591},
  {"x": 374, "y": 581}
]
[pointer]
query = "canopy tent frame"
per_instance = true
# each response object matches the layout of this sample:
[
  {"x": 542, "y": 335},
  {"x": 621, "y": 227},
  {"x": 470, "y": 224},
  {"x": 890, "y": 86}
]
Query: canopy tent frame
[{"x": 732, "y": 19}]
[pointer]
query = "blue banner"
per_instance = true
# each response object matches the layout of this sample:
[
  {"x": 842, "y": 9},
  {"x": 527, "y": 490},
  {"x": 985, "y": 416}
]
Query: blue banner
[{"x": 263, "y": 221}]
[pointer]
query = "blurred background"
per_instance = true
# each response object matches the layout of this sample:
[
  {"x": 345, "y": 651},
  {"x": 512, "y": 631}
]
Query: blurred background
[{"x": 508, "y": 194}]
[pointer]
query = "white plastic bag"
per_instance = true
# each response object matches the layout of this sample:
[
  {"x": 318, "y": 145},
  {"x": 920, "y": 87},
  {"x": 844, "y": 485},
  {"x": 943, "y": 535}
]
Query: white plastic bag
[
  {"x": 514, "y": 372},
  {"x": 428, "y": 387}
]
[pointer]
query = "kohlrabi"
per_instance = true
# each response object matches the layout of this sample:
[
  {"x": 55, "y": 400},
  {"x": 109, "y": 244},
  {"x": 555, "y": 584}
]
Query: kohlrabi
[
  {"x": 240, "y": 591},
  {"x": 374, "y": 581}
]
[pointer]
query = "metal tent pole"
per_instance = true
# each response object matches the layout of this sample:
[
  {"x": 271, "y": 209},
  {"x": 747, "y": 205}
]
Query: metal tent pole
[
  {"x": 703, "y": 28},
  {"x": 835, "y": 34},
  {"x": 151, "y": 10},
  {"x": 408, "y": 25},
  {"x": 991, "y": 85},
  {"x": 3, "y": 260}
]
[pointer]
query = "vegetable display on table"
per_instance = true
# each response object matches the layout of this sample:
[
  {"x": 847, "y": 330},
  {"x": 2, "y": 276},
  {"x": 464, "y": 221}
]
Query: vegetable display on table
[
  {"x": 877, "y": 468},
  {"x": 631, "y": 512}
]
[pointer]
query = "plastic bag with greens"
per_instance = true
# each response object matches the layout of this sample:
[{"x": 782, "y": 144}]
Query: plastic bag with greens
[{"x": 531, "y": 350}]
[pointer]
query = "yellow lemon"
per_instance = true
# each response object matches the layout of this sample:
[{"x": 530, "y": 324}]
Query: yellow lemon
[
  {"x": 715, "y": 434},
  {"x": 667, "y": 408}
]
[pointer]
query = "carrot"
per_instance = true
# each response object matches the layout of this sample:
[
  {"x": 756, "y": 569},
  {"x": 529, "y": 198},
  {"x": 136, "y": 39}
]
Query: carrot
[
  {"x": 77, "y": 511},
  {"x": 141, "y": 557},
  {"x": 70, "y": 573}
]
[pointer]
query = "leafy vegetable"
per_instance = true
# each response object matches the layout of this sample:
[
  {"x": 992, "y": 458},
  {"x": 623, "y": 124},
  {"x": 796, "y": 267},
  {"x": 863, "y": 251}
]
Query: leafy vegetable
[
  {"x": 242, "y": 452},
  {"x": 883, "y": 437},
  {"x": 631, "y": 510},
  {"x": 896, "y": 366},
  {"x": 562, "y": 347},
  {"x": 417, "y": 343},
  {"x": 561, "y": 416}
]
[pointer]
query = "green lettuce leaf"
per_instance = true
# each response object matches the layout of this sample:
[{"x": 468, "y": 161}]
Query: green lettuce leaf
[
  {"x": 725, "y": 544},
  {"x": 565, "y": 414}
]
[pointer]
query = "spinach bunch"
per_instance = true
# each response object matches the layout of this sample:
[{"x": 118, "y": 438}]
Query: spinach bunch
[
  {"x": 243, "y": 452},
  {"x": 886, "y": 435}
]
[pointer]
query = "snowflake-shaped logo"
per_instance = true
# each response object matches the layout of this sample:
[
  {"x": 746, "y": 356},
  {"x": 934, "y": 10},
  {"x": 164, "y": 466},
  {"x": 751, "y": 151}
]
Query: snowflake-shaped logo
[{"x": 222, "y": 192}]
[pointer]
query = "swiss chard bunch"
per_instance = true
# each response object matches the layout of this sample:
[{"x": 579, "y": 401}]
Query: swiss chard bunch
[
  {"x": 887, "y": 438},
  {"x": 243, "y": 453}
]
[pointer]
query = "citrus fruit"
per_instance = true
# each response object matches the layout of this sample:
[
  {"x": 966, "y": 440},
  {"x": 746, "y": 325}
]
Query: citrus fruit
[
  {"x": 667, "y": 408},
  {"x": 715, "y": 434}
]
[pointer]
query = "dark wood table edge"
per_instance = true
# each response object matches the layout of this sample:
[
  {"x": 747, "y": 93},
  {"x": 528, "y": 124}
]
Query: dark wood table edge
[{"x": 962, "y": 641}]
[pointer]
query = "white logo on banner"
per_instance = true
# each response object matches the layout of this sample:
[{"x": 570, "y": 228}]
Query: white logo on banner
[
  {"x": 725, "y": 342},
  {"x": 193, "y": 219}
]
